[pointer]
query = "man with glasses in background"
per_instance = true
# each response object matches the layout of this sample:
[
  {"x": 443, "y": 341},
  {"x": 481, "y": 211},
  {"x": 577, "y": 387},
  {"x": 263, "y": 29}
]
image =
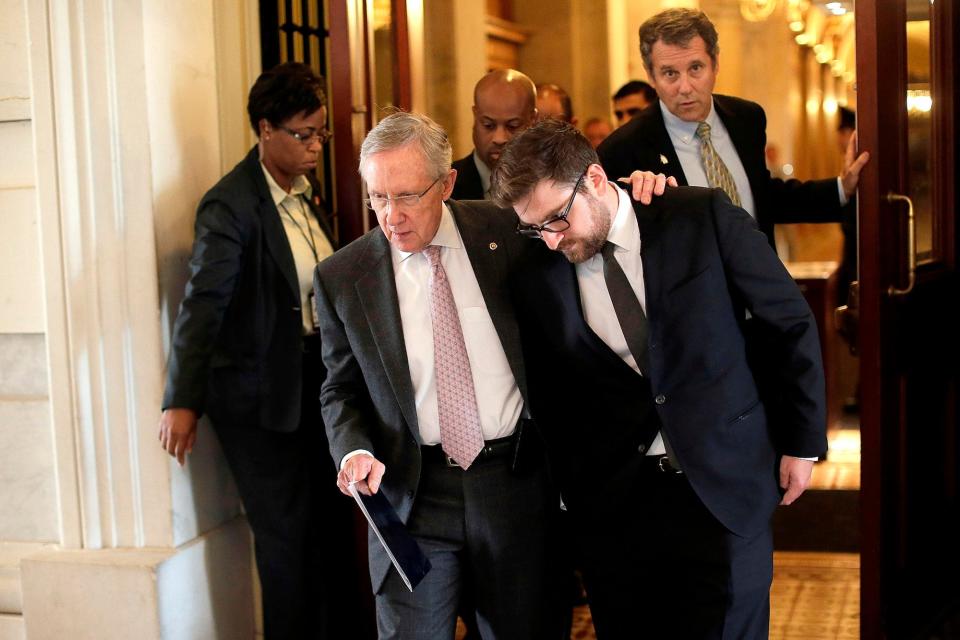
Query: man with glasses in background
[
  {"x": 424, "y": 395},
  {"x": 638, "y": 376}
]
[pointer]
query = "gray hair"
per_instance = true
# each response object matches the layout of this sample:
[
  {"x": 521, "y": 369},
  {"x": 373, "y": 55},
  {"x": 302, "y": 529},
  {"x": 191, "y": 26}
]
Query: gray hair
[{"x": 400, "y": 129}]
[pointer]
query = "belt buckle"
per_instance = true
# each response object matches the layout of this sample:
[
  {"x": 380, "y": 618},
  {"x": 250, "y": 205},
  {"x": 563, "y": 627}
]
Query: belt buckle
[
  {"x": 451, "y": 462},
  {"x": 666, "y": 466}
]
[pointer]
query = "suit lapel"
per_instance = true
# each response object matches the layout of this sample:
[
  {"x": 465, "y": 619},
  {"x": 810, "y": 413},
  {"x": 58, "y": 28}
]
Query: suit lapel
[
  {"x": 648, "y": 219},
  {"x": 377, "y": 291},
  {"x": 654, "y": 146},
  {"x": 486, "y": 248},
  {"x": 275, "y": 237}
]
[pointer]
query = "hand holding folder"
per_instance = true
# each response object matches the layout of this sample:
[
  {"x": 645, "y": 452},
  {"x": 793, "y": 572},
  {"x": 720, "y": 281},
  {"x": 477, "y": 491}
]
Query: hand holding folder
[{"x": 404, "y": 552}]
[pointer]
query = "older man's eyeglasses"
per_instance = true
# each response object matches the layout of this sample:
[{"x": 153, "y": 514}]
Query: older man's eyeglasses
[
  {"x": 379, "y": 203},
  {"x": 557, "y": 223},
  {"x": 310, "y": 135}
]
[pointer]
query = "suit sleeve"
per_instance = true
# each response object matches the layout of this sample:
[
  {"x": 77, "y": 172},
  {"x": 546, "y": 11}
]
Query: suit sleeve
[
  {"x": 215, "y": 267},
  {"x": 786, "y": 332},
  {"x": 617, "y": 158},
  {"x": 344, "y": 399},
  {"x": 792, "y": 201}
]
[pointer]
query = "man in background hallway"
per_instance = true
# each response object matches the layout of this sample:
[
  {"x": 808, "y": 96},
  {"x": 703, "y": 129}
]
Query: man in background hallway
[
  {"x": 631, "y": 99},
  {"x": 704, "y": 139},
  {"x": 554, "y": 102},
  {"x": 504, "y": 104}
]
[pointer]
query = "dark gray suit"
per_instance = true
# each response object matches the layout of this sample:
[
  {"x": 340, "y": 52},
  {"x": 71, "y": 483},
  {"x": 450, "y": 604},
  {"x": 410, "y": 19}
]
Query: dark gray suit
[{"x": 494, "y": 539}]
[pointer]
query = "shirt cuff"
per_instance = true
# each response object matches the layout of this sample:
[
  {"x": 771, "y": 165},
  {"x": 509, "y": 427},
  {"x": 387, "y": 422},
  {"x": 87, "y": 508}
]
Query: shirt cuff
[
  {"x": 843, "y": 197},
  {"x": 813, "y": 459},
  {"x": 353, "y": 453}
]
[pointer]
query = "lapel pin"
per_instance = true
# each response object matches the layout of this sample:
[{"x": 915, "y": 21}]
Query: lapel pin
[
  {"x": 493, "y": 246},
  {"x": 663, "y": 159}
]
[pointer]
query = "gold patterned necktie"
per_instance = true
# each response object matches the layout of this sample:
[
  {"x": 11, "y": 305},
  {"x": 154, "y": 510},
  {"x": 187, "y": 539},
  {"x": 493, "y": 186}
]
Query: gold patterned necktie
[{"x": 717, "y": 173}]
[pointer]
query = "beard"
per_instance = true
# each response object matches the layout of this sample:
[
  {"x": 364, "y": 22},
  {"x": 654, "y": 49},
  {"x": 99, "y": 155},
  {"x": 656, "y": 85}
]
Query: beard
[{"x": 582, "y": 249}]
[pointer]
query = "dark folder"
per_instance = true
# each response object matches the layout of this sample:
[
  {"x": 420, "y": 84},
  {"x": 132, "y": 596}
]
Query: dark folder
[{"x": 404, "y": 552}]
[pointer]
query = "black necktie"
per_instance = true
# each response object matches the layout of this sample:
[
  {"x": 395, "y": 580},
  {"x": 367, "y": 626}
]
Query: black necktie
[{"x": 633, "y": 322}]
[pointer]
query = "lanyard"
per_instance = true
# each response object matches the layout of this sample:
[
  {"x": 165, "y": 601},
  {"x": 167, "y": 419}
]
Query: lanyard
[{"x": 308, "y": 234}]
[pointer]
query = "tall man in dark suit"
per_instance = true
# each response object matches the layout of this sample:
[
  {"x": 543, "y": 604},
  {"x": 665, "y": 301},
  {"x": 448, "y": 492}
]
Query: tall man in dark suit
[
  {"x": 638, "y": 377},
  {"x": 504, "y": 104},
  {"x": 712, "y": 140},
  {"x": 424, "y": 395}
]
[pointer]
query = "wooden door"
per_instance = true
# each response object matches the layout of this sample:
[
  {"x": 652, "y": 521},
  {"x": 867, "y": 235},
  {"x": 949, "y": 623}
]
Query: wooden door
[{"x": 909, "y": 325}]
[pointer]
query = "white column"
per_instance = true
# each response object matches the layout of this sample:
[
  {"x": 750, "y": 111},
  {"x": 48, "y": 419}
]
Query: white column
[{"x": 137, "y": 107}]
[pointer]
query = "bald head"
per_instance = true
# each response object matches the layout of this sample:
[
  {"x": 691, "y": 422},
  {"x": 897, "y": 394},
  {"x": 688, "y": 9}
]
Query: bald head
[
  {"x": 504, "y": 104},
  {"x": 554, "y": 102}
]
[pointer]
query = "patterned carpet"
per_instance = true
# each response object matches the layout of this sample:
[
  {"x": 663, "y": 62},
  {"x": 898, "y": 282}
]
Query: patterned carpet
[{"x": 815, "y": 596}]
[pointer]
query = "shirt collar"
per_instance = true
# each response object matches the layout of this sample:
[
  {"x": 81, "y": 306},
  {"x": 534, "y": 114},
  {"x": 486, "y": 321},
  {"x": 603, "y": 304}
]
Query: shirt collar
[
  {"x": 625, "y": 230},
  {"x": 300, "y": 186},
  {"x": 685, "y": 131},
  {"x": 484, "y": 172},
  {"x": 447, "y": 236}
]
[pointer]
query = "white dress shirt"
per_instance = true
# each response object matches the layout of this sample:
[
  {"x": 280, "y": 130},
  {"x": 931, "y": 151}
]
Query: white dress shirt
[
  {"x": 595, "y": 299},
  {"x": 304, "y": 235},
  {"x": 498, "y": 398},
  {"x": 687, "y": 145}
]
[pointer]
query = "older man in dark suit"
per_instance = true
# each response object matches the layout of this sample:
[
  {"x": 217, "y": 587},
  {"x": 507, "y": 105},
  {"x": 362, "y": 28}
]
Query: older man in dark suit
[
  {"x": 638, "y": 377},
  {"x": 710, "y": 140},
  {"x": 424, "y": 396}
]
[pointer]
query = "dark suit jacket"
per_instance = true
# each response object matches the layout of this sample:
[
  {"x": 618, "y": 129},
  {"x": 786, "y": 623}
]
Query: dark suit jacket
[
  {"x": 639, "y": 144},
  {"x": 704, "y": 263},
  {"x": 237, "y": 345},
  {"x": 367, "y": 398},
  {"x": 468, "y": 185}
]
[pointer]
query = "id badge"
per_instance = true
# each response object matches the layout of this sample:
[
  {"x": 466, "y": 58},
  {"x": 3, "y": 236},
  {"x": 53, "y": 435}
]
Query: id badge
[{"x": 314, "y": 316}]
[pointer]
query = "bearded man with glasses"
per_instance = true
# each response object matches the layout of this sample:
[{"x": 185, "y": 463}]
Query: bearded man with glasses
[{"x": 637, "y": 374}]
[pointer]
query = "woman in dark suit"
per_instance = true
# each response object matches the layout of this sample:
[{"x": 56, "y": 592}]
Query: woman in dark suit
[{"x": 246, "y": 352}]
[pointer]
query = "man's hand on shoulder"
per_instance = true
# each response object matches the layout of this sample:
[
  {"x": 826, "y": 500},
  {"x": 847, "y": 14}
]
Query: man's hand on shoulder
[
  {"x": 852, "y": 166},
  {"x": 363, "y": 469},
  {"x": 646, "y": 184},
  {"x": 794, "y": 477},
  {"x": 178, "y": 432}
]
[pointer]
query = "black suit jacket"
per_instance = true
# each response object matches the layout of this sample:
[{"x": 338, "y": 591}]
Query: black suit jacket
[
  {"x": 468, "y": 185},
  {"x": 368, "y": 397},
  {"x": 704, "y": 263},
  {"x": 237, "y": 347},
  {"x": 640, "y": 144}
]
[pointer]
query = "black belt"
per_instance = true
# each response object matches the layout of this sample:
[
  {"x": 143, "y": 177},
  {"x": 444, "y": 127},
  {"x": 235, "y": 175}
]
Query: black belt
[
  {"x": 660, "y": 464},
  {"x": 492, "y": 450}
]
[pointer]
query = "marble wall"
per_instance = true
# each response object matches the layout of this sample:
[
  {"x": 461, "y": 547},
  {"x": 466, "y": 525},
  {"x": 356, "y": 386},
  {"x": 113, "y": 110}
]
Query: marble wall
[{"x": 28, "y": 501}]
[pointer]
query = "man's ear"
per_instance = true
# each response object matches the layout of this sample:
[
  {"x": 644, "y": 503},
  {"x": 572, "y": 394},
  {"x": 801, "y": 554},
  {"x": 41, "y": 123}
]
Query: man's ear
[
  {"x": 597, "y": 178},
  {"x": 448, "y": 184}
]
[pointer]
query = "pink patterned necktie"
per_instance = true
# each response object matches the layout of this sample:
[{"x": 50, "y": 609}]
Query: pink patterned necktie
[{"x": 460, "y": 434}]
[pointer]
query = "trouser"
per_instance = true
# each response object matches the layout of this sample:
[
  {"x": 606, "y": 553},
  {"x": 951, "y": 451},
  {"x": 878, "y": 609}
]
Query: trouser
[
  {"x": 657, "y": 564},
  {"x": 485, "y": 525},
  {"x": 303, "y": 528}
]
